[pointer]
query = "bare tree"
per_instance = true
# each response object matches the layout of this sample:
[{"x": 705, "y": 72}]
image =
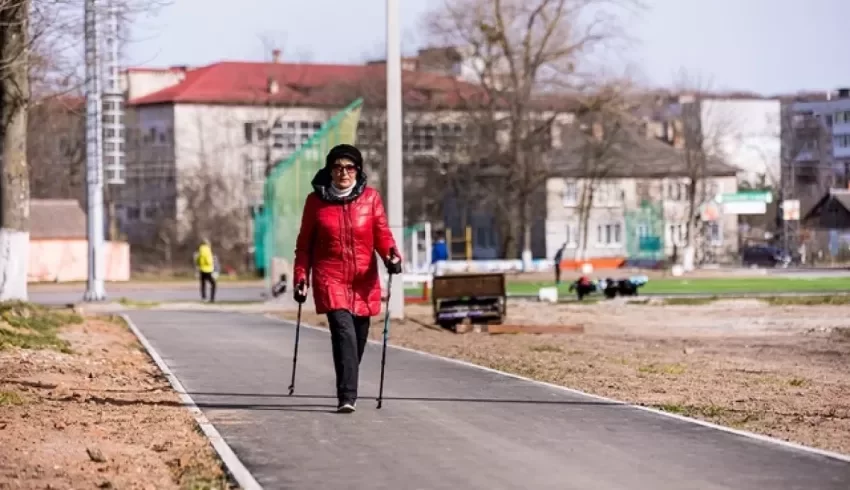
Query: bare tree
[
  {"x": 206, "y": 198},
  {"x": 807, "y": 165},
  {"x": 36, "y": 48},
  {"x": 272, "y": 132},
  {"x": 56, "y": 148},
  {"x": 14, "y": 182},
  {"x": 704, "y": 127},
  {"x": 597, "y": 145},
  {"x": 519, "y": 50}
]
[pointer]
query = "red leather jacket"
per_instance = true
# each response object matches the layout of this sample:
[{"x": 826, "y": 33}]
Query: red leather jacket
[{"x": 336, "y": 246}]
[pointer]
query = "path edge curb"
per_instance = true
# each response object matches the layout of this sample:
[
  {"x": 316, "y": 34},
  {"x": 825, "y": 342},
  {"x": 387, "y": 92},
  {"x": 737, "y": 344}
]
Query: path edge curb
[
  {"x": 741, "y": 433},
  {"x": 234, "y": 465}
]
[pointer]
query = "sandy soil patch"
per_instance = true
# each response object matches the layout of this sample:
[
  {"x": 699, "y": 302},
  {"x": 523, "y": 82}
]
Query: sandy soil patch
[
  {"x": 99, "y": 415},
  {"x": 780, "y": 371}
]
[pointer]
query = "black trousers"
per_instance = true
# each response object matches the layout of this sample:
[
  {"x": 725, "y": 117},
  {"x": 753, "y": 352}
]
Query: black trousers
[
  {"x": 348, "y": 341},
  {"x": 205, "y": 278}
]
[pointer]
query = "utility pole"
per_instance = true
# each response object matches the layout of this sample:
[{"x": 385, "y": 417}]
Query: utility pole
[
  {"x": 95, "y": 290},
  {"x": 793, "y": 134},
  {"x": 395, "y": 180}
]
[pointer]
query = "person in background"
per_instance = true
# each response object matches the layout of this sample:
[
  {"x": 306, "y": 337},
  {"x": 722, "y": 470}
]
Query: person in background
[
  {"x": 280, "y": 287},
  {"x": 559, "y": 256},
  {"x": 343, "y": 224},
  {"x": 206, "y": 264},
  {"x": 439, "y": 252}
]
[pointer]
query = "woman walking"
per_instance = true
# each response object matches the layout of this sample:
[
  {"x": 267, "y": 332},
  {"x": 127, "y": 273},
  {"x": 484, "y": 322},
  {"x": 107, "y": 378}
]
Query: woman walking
[{"x": 342, "y": 226}]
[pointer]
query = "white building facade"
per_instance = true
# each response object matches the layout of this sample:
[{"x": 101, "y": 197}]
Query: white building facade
[
  {"x": 607, "y": 223},
  {"x": 747, "y": 134}
]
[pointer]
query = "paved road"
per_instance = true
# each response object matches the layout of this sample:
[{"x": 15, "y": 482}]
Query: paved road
[{"x": 445, "y": 425}]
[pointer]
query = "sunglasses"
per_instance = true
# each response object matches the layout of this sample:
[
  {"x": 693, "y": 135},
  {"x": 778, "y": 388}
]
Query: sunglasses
[{"x": 343, "y": 168}]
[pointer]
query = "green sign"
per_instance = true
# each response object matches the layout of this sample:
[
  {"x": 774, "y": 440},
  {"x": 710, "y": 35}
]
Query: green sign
[{"x": 746, "y": 196}]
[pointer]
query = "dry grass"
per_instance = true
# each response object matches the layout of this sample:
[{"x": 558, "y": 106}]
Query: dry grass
[{"x": 780, "y": 371}]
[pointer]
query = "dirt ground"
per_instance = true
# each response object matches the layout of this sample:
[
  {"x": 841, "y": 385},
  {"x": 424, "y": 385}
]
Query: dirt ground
[
  {"x": 780, "y": 371},
  {"x": 98, "y": 415}
]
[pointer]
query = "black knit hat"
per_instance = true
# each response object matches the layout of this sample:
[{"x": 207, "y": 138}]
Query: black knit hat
[{"x": 344, "y": 151}]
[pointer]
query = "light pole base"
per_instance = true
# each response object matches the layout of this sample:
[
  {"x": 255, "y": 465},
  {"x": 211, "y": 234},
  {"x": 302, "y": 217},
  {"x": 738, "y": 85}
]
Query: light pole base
[{"x": 95, "y": 292}]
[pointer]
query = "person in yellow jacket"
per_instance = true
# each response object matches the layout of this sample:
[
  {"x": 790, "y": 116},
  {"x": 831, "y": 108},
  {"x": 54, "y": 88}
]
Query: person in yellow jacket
[{"x": 205, "y": 261}]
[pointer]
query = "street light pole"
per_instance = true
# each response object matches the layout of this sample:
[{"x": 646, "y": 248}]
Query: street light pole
[
  {"x": 95, "y": 289},
  {"x": 395, "y": 181}
]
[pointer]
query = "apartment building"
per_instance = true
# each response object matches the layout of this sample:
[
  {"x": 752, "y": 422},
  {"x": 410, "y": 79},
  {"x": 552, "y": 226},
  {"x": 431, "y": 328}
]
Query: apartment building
[
  {"x": 235, "y": 120},
  {"x": 238, "y": 118},
  {"x": 816, "y": 146},
  {"x": 646, "y": 196},
  {"x": 743, "y": 130}
]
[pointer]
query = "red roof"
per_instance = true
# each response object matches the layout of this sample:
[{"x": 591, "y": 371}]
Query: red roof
[{"x": 308, "y": 84}]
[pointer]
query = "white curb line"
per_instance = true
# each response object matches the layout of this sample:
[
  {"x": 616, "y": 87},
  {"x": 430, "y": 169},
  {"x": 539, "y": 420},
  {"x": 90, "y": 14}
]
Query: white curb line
[
  {"x": 743, "y": 433},
  {"x": 241, "y": 474}
]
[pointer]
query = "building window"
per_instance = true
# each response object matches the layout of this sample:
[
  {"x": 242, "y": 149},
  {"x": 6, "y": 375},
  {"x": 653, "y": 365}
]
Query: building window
[
  {"x": 255, "y": 132},
  {"x": 842, "y": 140},
  {"x": 150, "y": 211},
  {"x": 677, "y": 233},
  {"x": 570, "y": 194},
  {"x": 133, "y": 213},
  {"x": 715, "y": 188},
  {"x": 254, "y": 170},
  {"x": 114, "y": 175},
  {"x": 285, "y": 135},
  {"x": 609, "y": 235},
  {"x": 608, "y": 194},
  {"x": 715, "y": 233},
  {"x": 420, "y": 137},
  {"x": 571, "y": 237},
  {"x": 677, "y": 190}
]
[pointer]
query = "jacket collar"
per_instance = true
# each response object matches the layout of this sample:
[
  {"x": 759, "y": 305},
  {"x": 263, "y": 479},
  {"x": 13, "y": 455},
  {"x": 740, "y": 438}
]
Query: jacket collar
[{"x": 322, "y": 183}]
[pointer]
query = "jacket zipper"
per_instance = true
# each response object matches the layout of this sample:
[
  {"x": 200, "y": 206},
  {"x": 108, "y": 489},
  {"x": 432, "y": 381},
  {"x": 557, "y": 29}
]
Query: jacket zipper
[{"x": 350, "y": 249}]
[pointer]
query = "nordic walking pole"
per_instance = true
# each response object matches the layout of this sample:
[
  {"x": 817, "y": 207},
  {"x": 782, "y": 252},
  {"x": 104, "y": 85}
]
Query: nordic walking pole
[
  {"x": 386, "y": 335},
  {"x": 295, "y": 356}
]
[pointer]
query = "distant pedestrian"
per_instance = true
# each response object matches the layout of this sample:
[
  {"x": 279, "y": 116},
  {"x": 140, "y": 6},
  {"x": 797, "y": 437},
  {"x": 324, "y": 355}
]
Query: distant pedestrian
[
  {"x": 342, "y": 226},
  {"x": 206, "y": 263},
  {"x": 559, "y": 256},
  {"x": 280, "y": 287},
  {"x": 439, "y": 252}
]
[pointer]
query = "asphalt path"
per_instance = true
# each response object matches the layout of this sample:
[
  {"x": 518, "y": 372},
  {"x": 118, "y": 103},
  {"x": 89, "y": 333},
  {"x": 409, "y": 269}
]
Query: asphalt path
[{"x": 445, "y": 425}]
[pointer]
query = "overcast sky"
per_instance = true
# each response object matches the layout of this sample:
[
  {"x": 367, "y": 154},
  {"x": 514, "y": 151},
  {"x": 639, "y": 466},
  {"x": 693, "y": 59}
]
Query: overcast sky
[{"x": 767, "y": 46}]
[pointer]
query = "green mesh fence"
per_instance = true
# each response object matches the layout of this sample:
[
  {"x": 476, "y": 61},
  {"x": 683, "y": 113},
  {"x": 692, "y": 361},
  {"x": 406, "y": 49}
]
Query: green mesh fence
[
  {"x": 645, "y": 232},
  {"x": 287, "y": 187}
]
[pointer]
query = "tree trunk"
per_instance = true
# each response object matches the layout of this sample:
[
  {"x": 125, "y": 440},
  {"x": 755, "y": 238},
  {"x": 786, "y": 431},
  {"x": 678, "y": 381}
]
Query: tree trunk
[
  {"x": 689, "y": 254},
  {"x": 585, "y": 207},
  {"x": 14, "y": 182},
  {"x": 508, "y": 234},
  {"x": 525, "y": 222}
]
